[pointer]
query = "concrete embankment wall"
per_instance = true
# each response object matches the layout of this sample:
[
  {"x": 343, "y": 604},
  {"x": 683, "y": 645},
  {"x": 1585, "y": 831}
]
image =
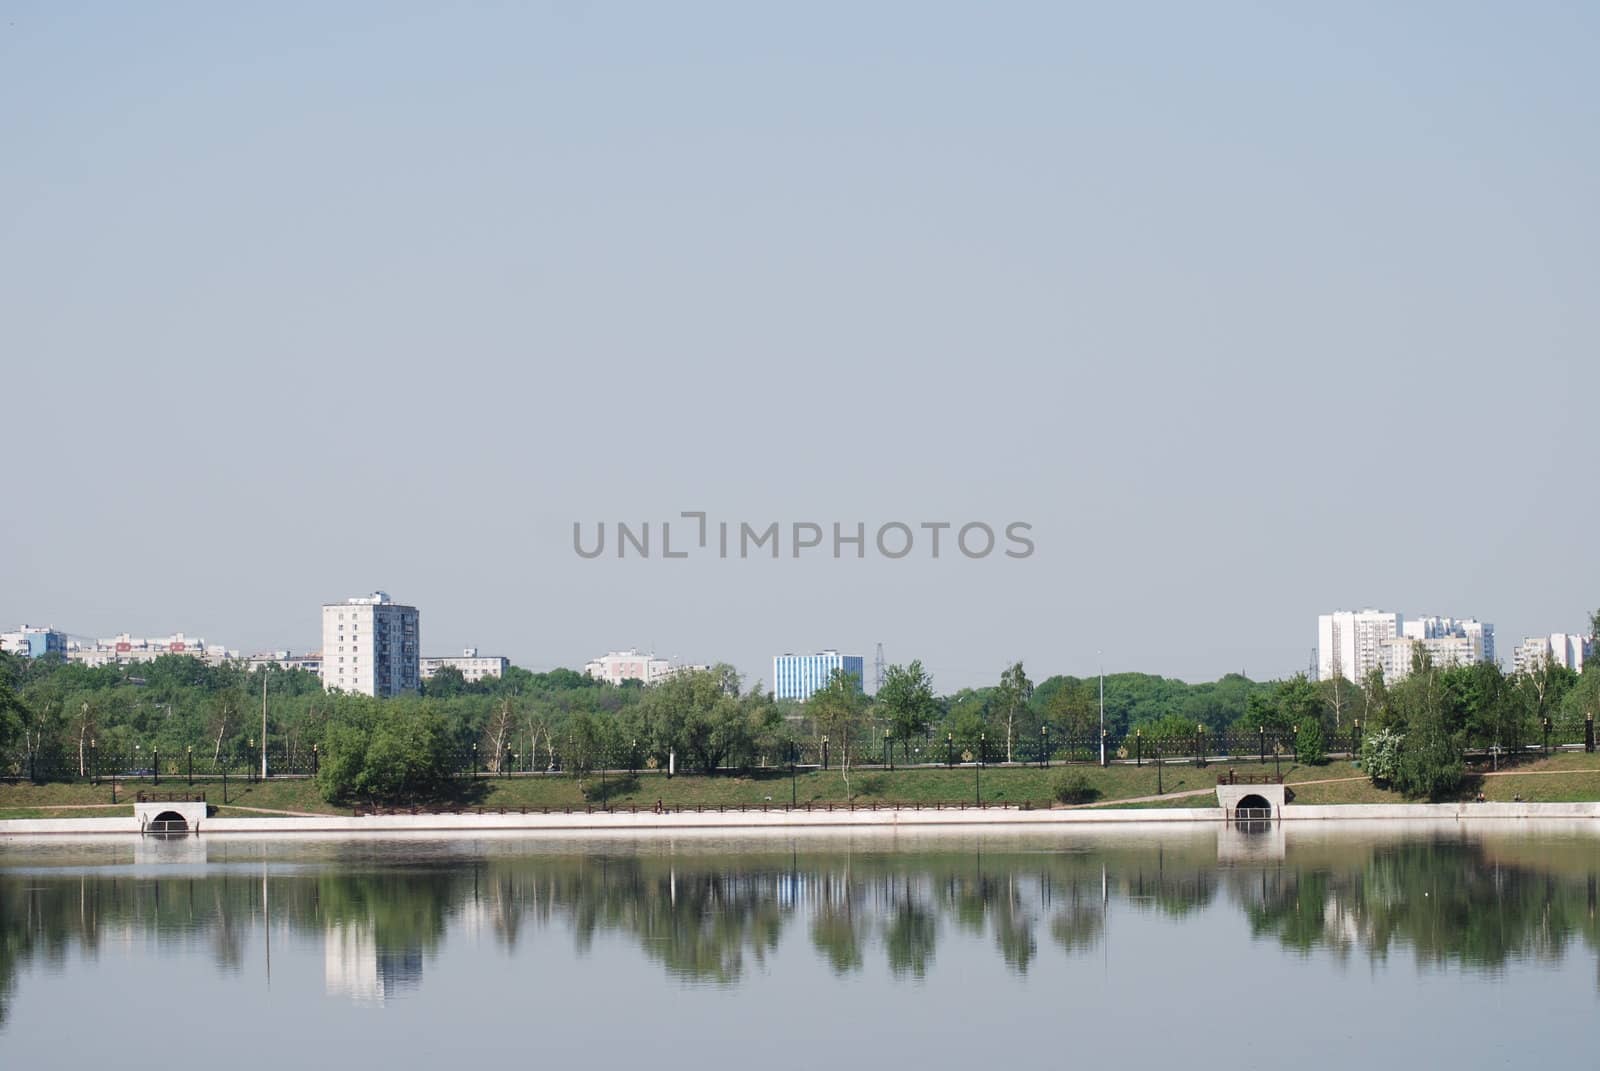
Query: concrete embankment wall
[{"x": 615, "y": 821}]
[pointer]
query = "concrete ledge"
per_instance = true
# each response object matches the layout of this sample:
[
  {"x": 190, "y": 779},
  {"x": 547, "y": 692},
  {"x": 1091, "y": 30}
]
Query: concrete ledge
[{"x": 776, "y": 819}]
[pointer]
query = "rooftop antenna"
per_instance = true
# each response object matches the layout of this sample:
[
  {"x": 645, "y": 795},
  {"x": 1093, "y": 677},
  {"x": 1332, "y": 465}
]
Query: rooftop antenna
[{"x": 878, "y": 667}]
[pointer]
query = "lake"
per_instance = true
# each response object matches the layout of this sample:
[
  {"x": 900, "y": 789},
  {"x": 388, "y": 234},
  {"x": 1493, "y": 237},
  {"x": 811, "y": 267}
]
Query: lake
[{"x": 1318, "y": 945}]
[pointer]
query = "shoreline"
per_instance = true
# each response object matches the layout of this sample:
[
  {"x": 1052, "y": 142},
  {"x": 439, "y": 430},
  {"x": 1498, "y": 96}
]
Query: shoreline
[{"x": 900, "y": 818}]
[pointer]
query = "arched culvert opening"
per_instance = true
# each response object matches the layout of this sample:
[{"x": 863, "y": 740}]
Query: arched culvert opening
[
  {"x": 167, "y": 822},
  {"x": 1252, "y": 809}
]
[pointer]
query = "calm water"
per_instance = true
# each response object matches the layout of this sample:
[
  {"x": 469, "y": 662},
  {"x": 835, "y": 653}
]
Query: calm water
[{"x": 1322, "y": 947}]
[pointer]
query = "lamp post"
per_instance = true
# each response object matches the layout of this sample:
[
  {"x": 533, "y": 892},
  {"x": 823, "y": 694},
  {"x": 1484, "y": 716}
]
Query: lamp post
[
  {"x": 1102, "y": 668},
  {"x": 888, "y": 758},
  {"x": 1159, "y": 787},
  {"x": 1044, "y": 746},
  {"x": 977, "y": 773},
  {"x": 949, "y": 749},
  {"x": 794, "y": 783},
  {"x": 188, "y": 752}
]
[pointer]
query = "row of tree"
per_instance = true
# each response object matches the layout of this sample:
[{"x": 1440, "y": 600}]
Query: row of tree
[{"x": 707, "y": 720}]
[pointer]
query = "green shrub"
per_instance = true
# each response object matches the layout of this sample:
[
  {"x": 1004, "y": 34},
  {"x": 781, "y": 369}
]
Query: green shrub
[
  {"x": 1309, "y": 746},
  {"x": 1073, "y": 787},
  {"x": 1380, "y": 756}
]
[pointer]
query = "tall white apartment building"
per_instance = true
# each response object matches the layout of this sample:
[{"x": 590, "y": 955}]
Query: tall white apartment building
[
  {"x": 1350, "y": 642},
  {"x": 617, "y": 666},
  {"x": 1443, "y": 651},
  {"x": 1437, "y": 628},
  {"x": 473, "y": 666},
  {"x": 369, "y": 645},
  {"x": 1562, "y": 648}
]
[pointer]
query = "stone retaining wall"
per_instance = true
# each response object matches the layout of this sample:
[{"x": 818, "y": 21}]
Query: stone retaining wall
[{"x": 615, "y": 821}]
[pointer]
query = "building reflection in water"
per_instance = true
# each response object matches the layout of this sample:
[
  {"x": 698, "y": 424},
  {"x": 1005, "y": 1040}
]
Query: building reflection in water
[{"x": 713, "y": 919}]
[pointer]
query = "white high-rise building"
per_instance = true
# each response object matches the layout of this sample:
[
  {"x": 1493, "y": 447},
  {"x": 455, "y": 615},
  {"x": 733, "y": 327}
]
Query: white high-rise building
[
  {"x": 1451, "y": 649},
  {"x": 1350, "y": 643},
  {"x": 369, "y": 645},
  {"x": 1563, "y": 648},
  {"x": 1438, "y": 628}
]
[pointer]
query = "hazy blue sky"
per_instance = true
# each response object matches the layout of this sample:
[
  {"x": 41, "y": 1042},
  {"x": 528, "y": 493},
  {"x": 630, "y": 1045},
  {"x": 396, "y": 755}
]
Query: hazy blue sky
[{"x": 1251, "y": 313}]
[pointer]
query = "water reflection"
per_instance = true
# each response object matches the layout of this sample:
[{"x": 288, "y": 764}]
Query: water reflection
[{"x": 382, "y": 914}]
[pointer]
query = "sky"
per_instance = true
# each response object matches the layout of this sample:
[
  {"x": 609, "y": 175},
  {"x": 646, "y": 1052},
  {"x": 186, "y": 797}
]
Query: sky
[{"x": 1248, "y": 313}]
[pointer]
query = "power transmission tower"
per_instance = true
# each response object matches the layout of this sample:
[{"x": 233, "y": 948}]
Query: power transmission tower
[{"x": 878, "y": 665}]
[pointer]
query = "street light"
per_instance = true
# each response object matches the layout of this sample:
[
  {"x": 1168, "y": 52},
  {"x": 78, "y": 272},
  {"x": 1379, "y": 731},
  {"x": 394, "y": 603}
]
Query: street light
[
  {"x": 977, "y": 772},
  {"x": 1102, "y": 666}
]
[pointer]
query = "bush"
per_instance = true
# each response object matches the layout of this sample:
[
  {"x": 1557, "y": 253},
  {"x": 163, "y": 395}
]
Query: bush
[
  {"x": 1075, "y": 788},
  {"x": 1309, "y": 746},
  {"x": 1380, "y": 756}
]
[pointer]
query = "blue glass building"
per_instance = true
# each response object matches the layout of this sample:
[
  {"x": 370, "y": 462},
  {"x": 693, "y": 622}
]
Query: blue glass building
[{"x": 797, "y": 676}]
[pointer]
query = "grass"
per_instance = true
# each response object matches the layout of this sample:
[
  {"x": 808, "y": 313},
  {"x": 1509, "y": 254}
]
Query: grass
[{"x": 1562, "y": 778}]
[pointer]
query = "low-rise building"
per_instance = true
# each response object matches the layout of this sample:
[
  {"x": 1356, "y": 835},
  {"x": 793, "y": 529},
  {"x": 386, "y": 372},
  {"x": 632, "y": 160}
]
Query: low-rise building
[
  {"x": 473, "y": 666},
  {"x": 310, "y": 662},
  {"x": 34, "y": 641},
  {"x": 125, "y": 649},
  {"x": 615, "y": 667}
]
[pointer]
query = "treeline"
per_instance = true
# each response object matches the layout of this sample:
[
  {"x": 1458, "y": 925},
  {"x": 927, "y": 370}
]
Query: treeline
[{"x": 704, "y": 721}]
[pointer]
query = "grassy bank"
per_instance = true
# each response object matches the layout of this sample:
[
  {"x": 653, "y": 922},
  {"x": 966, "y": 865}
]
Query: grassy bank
[{"x": 1562, "y": 778}]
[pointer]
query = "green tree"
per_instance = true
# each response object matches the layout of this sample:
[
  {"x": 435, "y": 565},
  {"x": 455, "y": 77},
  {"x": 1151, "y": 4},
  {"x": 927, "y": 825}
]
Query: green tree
[
  {"x": 12, "y": 711},
  {"x": 404, "y": 752},
  {"x": 1429, "y": 765},
  {"x": 1299, "y": 703},
  {"x": 1309, "y": 745},
  {"x": 1010, "y": 701},
  {"x": 840, "y": 712},
  {"x": 447, "y": 682},
  {"x": 907, "y": 701}
]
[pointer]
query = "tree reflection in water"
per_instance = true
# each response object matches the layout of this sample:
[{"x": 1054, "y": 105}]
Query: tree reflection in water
[{"x": 712, "y": 919}]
